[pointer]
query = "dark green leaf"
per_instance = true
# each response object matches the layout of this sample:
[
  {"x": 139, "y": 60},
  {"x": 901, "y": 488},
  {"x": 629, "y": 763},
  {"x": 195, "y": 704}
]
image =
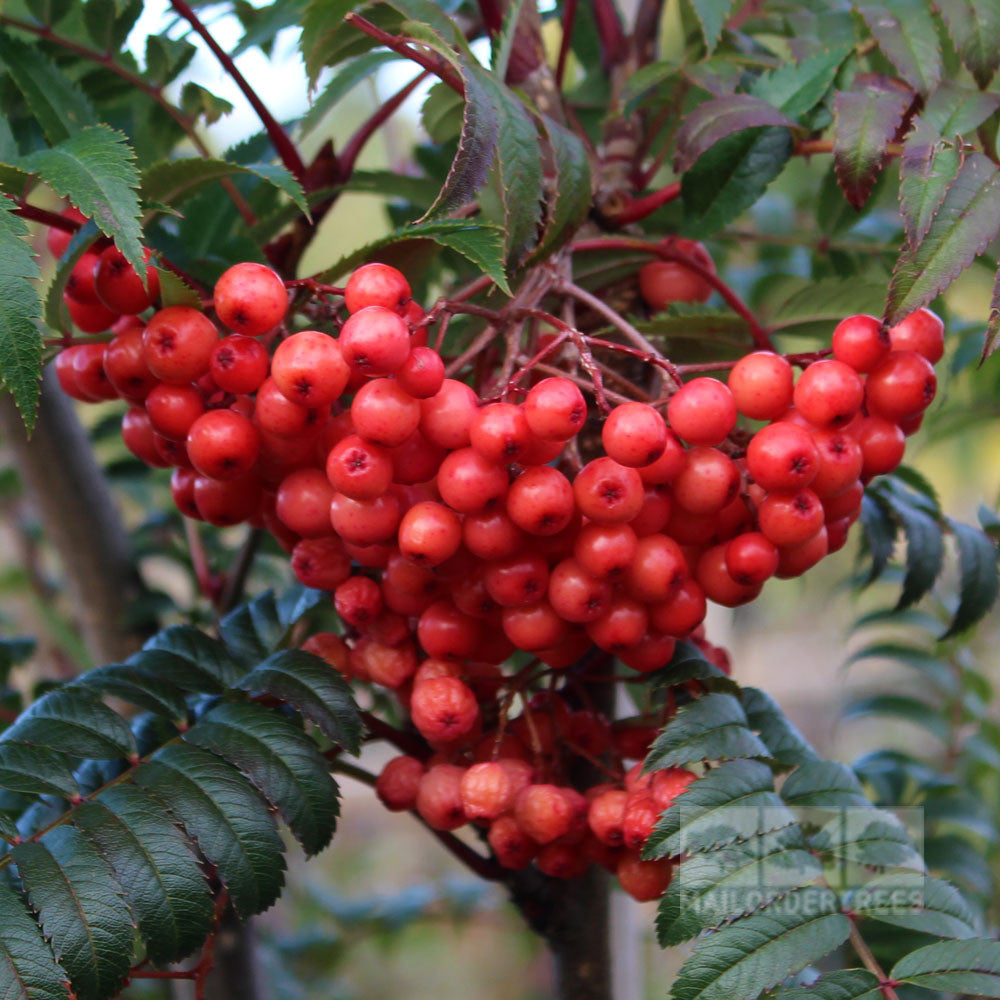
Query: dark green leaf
[
  {"x": 139, "y": 687},
  {"x": 870, "y": 837},
  {"x": 36, "y": 771},
  {"x": 980, "y": 583},
  {"x": 309, "y": 685},
  {"x": 689, "y": 663},
  {"x": 344, "y": 80},
  {"x": 712, "y": 15},
  {"x": 280, "y": 761},
  {"x": 712, "y": 728},
  {"x": 161, "y": 876},
  {"x": 166, "y": 57},
  {"x": 254, "y": 630},
  {"x": 50, "y": 11},
  {"x": 823, "y": 784},
  {"x": 967, "y": 219},
  {"x": 80, "y": 909},
  {"x": 644, "y": 81},
  {"x": 843, "y": 984},
  {"x": 974, "y": 26},
  {"x": 906, "y": 34},
  {"x": 928, "y": 167},
  {"x": 99, "y": 19},
  {"x": 201, "y": 663},
  {"x": 924, "y": 550},
  {"x": 899, "y": 706},
  {"x": 27, "y": 969},
  {"x": 784, "y": 742},
  {"x": 971, "y": 967},
  {"x": 916, "y": 902},
  {"x": 864, "y": 121},
  {"x": 936, "y": 670},
  {"x": 880, "y": 533},
  {"x": 293, "y": 602},
  {"x": 796, "y": 88},
  {"x": 955, "y": 110},
  {"x": 197, "y": 100},
  {"x": 226, "y": 816}
]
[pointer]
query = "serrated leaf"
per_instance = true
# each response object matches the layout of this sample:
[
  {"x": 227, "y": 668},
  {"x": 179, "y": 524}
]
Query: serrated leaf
[
  {"x": 231, "y": 823},
  {"x": 731, "y": 176},
  {"x": 717, "y": 118},
  {"x": 964, "y": 224},
  {"x": 28, "y": 970},
  {"x": 20, "y": 313},
  {"x": 904, "y": 30},
  {"x": 80, "y": 909},
  {"x": 95, "y": 169},
  {"x": 784, "y": 742},
  {"x": 166, "y": 58},
  {"x": 60, "y": 107},
  {"x": 712, "y": 15},
  {"x": 36, "y": 771},
  {"x": 689, "y": 663},
  {"x": 796, "y": 88},
  {"x": 482, "y": 244},
  {"x": 503, "y": 45},
  {"x": 72, "y": 722},
  {"x": 927, "y": 168},
  {"x": 160, "y": 874},
  {"x": 880, "y": 533},
  {"x": 899, "y": 706},
  {"x": 712, "y": 728},
  {"x": 714, "y": 888},
  {"x": 971, "y": 967},
  {"x": 203, "y": 661},
  {"x": 644, "y": 81},
  {"x": 924, "y": 550},
  {"x": 253, "y": 630},
  {"x": 824, "y": 784},
  {"x": 864, "y": 121},
  {"x": 293, "y": 602},
  {"x": 842, "y": 984},
  {"x": 980, "y": 582},
  {"x": 197, "y": 101},
  {"x": 992, "y": 339},
  {"x": 175, "y": 291},
  {"x": 731, "y": 802},
  {"x": 955, "y": 110},
  {"x": 870, "y": 837},
  {"x": 139, "y": 687},
  {"x": 80, "y": 242},
  {"x": 936, "y": 670},
  {"x": 572, "y": 188},
  {"x": 822, "y": 301},
  {"x": 974, "y": 26},
  {"x": 280, "y": 761},
  {"x": 312, "y": 688},
  {"x": 757, "y": 952},
  {"x": 922, "y": 904},
  {"x": 327, "y": 39},
  {"x": 344, "y": 80}
]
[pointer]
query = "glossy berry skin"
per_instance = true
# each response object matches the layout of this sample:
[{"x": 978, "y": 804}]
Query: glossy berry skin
[
  {"x": 634, "y": 434},
  {"x": 862, "y": 342},
  {"x": 608, "y": 493},
  {"x": 555, "y": 409},
  {"x": 376, "y": 285},
  {"x": 278, "y": 415},
  {"x": 782, "y": 456},
  {"x": 182, "y": 491},
  {"x": 398, "y": 782},
  {"x": 447, "y": 416},
  {"x": 540, "y": 501},
  {"x": 796, "y": 559},
  {"x": 491, "y": 534},
  {"x": 90, "y": 317},
  {"x": 708, "y": 481},
  {"x": 222, "y": 444},
  {"x": 89, "y": 375},
  {"x": 137, "y": 432},
  {"x": 360, "y": 469},
  {"x": 702, "y": 412},
  {"x": 365, "y": 522},
  {"x": 226, "y": 502},
  {"x": 422, "y": 373},
  {"x": 828, "y": 393},
  {"x": 840, "y": 462},
  {"x": 922, "y": 331},
  {"x": 382, "y": 412},
  {"x": 534, "y": 626},
  {"x": 621, "y": 626},
  {"x": 500, "y": 432},
  {"x": 518, "y": 580},
  {"x": 717, "y": 582},
  {"x": 303, "y": 503},
  {"x": 664, "y": 281},
  {"x": 321, "y": 563},
  {"x": 652, "y": 652},
  {"x": 657, "y": 570},
  {"x": 239, "y": 364},
  {"x": 605, "y": 550},
  {"x": 178, "y": 343},
  {"x": 902, "y": 386},
  {"x": 375, "y": 341},
  {"x": 751, "y": 558},
  {"x": 575, "y": 595},
  {"x": 126, "y": 367},
  {"x": 80, "y": 287},
  {"x": 443, "y": 631},
  {"x": 882, "y": 444},
  {"x": 468, "y": 482},
  {"x": 644, "y": 881},
  {"x": 309, "y": 369},
  {"x": 762, "y": 385},
  {"x": 250, "y": 299},
  {"x": 429, "y": 534},
  {"x": 120, "y": 288},
  {"x": 789, "y": 519},
  {"x": 173, "y": 409},
  {"x": 416, "y": 460},
  {"x": 606, "y": 816},
  {"x": 680, "y": 614}
]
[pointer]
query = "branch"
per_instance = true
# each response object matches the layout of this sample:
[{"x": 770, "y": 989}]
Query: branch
[
  {"x": 279, "y": 138},
  {"x": 51, "y": 219},
  {"x": 634, "y": 209},
  {"x": 860, "y": 946},
  {"x": 409, "y": 744},
  {"x": 569, "y": 17}
]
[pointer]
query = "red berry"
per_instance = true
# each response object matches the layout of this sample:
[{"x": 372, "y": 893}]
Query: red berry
[
  {"x": 173, "y": 409},
  {"x": 491, "y": 534},
  {"x": 359, "y": 469},
  {"x": 540, "y": 501},
  {"x": 534, "y": 626},
  {"x": 375, "y": 341},
  {"x": 365, "y": 522},
  {"x": 439, "y": 797},
  {"x": 761, "y": 384},
  {"x": 882, "y": 444},
  {"x": 321, "y": 563},
  {"x": 137, "y": 433},
  {"x": 846, "y": 504},
  {"x": 422, "y": 373},
  {"x": 309, "y": 369},
  {"x": 751, "y": 558},
  {"x": 606, "y": 816},
  {"x": 517, "y": 580},
  {"x": 839, "y": 462},
  {"x": 225, "y": 502},
  {"x": 664, "y": 281},
  {"x": 80, "y": 287},
  {"x": 640, "y": 817},
  {"x": 922, "y": 331},
  {"x": 90, "y": 317},
  {"x": 575, "y": 595},
  {"x": 429, "y": 533},
  {"x": 608, "y": 493},
  {"x": 790, "y": 518},
  {"x": 126, "y": 367},
  {"x": 500, "y": 432},
  {"x": 795, "y": 560},
  {"x": 782, "y": 456},
  {"x": 702, "y": 412},
  {"x": 58, "y": 239},
  {"x": 468, "y": 482},
  {"x": 182, "y": 491},
  {"x": 91, "y": 378},
  {"x": 358, "y": 601},
  {"x": 555, "y": 409},
  {"x": 643, "y": 880},
  {"x": 303, "y": 503},
  {"x": 667, "y": 785},
  {"x": 657, "y": 571},
  {"x": 902, "y": 386},
  {"x": 708, "y": 481},
  {"x": 681, "y": 613},
  {"x": 828, "y": 393},
  {"x": 250, "y": 299},
  {"x": 390, "y": 666},
  {"x": 178, "y": 343},
  {"x": 488, "y": 790},
  {"x": 714, "y": 578},
  {"x": 634, "y": 434},
  {"x": 382, "y": 412},
  {"x": 416, "y": 460},
  {"x": 376, "y": 285},
  {"x": 446, "y": 417},
  {"x": 511, "y": 845},
  {"x": 120, "y": 288},
  {"x": 605, "y": 550},
  {"x": 222, "y": 444},
  {"x": 620, "y": 627},
  {"x": 443, "y": 709},
  {"x": 544, "y": 812},
  {"x": 278, "y": 415},
  {"x": 444, "y": 631},
  {"x": 861, "y": 342},
  {"x": 398, "y": 782}
]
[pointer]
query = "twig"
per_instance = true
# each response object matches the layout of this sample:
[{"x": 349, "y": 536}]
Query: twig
[
  {"x": 634, "y": 209},
  {"x": 380, "y": 730},
  {"x": 860, "y": 946},
  {"x": 615, "y": 319},
  {"x": 236, "y": 577},
  {"x": 569, "y": 18}
]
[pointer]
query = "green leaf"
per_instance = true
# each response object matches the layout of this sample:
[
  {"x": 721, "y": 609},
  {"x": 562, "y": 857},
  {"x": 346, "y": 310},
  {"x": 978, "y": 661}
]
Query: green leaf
[
  {"x": 843, "y": 984},
  {"x": 327, "y": 39},
  {"x": 280, "y": 761},
  {"x": 95, "y": 169},
  {"x": 731, "y": 176},
  {"x": 310, "y": 686},
  {"x": 226, "y": 816},
  {"x": 974, "y": 26},
  {"x": 50, "y": 11},
  {"x": 253, "y": 631},
  {"x": 731, "y": 802},
  {"x": 712, "y": 728},
  {"x": 344, "y": 80},
  {"x": 712, "y": 15},
  {"x": 864, "y": 121},
  {"x": 924, "y": 550},
  {"x": 161, "y": 876},
  {"x": 196, "y": 661},
  {"x": 904, "y": 30},
  {"x": 80, "y": 909},
  {"x": 36, "y": 771},
  {"x": 880, "y": 533},
  {"x": 927, "y": 168},
  {"x": 702, "y": 323},
  {"x": 955, "y": 110},
  {"x": 55, "y": 308},
  {"x": 482, "y": 244},
  {"x": 139, "y": 687},
  {"x": 870, "y": 837},
  {"x": 899, "y": 706},
  {"x": 719, "y": 117},
  {"x": 820, "y": 303},
  {"x": 980, "y": 583},
  {"x": 73, "y": 722},
  {"x": 931, "y": 666},
  {"x": 796, "y": 88},
  {"x": 28, "y": 970},
  {"x": 713, "y": 888},
  {"x": 20, "y": 313},
  {"x": 175, "y": 291},
  {"x": 757, "y": 952},
  {"x": 824, "y": 784},
  {"x": 689, "y": 663},
  {"x": 59, "y": 105},
  {"x": 967, "y": 219},
  {"x": 971, "y": 967},
  {"x": 920, "y": 903},
  {"x": 166, "y": 58},
  {"x": 503, "y": 45},
  {"x": 99, "y": 20},
  {"x": 197, "y": 100},
  {"x": 644, "y": 81},
  {"x": 784, "y": 742}
]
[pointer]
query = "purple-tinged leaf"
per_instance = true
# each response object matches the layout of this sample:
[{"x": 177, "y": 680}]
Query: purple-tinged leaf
[
  {"x": 967, "y": 219},
  {"x": 904, "y": 30},
  {"x": 719, "y": 117},
  {"x": 992, "y": 341},
  {"x": 712, "y": 15},
  {"x": 929, "y": 164},
  {"x": 955, "y": 110},
  {"x": 864, "y": 121},
  {"x": 974, "y": 26}
]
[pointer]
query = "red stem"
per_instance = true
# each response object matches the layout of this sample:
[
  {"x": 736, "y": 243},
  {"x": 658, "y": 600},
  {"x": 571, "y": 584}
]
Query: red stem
[
  {"x": 51, "y": 219},
  {"x": 492, "y": 15},
  {"x": 634, "y": 209},
  {"x": 279, "y": 138},
  {"x": 609, "y": 29},
  {"x": 569, "y": 17}
]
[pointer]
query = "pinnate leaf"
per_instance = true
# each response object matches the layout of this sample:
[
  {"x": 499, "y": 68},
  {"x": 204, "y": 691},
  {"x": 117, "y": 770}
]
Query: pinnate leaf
[
  {"x": 36, "y": 770},
  {"x": 918, "y": 903},
  {"x": 193, "y": 660},
  {"x": 954, "y": 110},
  {"x": 796, "y": 88},
  {"x": 971, "y": 967},
  {"x": 843, "y": 984},
  {"x": 139, "y": 687},
  {"x": 824, "y": 784},
  {"x": 980, "y": 580},
  {"x": 974, "y": 26},
  {"x": 992, "y": 339},
  {"x": 28, "y": 970},
  {"x": 785, "y": 744},
  {"x": 712, "y": 16},
  {"x": 906, "y": 34},
  {"x": 929, "y": 165}
]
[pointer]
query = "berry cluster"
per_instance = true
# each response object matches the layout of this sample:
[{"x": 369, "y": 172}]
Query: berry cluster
[{"x": 456, "y": 531}]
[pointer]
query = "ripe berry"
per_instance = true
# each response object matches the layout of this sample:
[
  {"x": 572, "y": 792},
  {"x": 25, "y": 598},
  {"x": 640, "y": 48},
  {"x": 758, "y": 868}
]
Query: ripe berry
[
  {"x": 120, "y": 288},
  {"x": 397, "y": 784},
  {"x": 605, "y": 550},
  {"x": 225, "y": 502},
  {"x": 429, "y": 533},
  {"x": 667, "y": 785},
  {"x": 795, "y": 560},
  {"x": 422, "y": 373},
  {"x": 839, "y": 462},
  {"x": 640, "y": 817},
  {"x": 446, "y": 417},
  {"x": 657, "y": 570},
  {"x": 439, "y": 797},
  {"x": 534, "y": 626},
  {"x": 761, "y": 384},
  {"x": 58, "y": 239},
  {"x": 654, "y": 514},
  {"x": 708, "y": 481},
  {"x": 500, "y": 432},
  {"x": 555, "y": 409},
  {"x": 90, "y": 317},
  {"x": 177, "y": 344},
  {"x": 491, "y": 534},
  {"x": 846, "y": 504},
  {"x": 681, "y": 613},
  {"x": 278, "y": 415},
  {"x": 80, "y": 286},
  {"x": 126, "y": 367},
  {"x": 222, "y": 444},
  {"x": 861, "y": 342},
  {"x": 250, "y": 299},
  {"x": 382, "y": 412},
  {"x": 173, "y": 409},
  {"x": 621, "y": 626},
  {"x": 782, "y": 456},
  {"x": 390, "y": 666},
  {"x": 922, "y": 331},
  {"x": 606, "y": 816},
  {"x": 540, "y": 500},
  {"x": 902, "y": 386},
  {"x": 575, "y": 595},
  {"x": 488, "y": 790},
  {"x": 443, "y": 709},
  {"x": 544, "y": 812},
  {"x": 321, "y": 563},
  {"x": 376, "y": 285},
  {"x": 88, "y": 370},
  {"x": 664, "y": 281},
  {"x": 512, "y": 846},
  {"x": 702, "y": 412},
  {"x": 309, "y": 369},
  {"x": 643, "y": 880},
  {"x": 137, "y": 432},
  {"x": 303, "y": 503},
  {"x": 790, "y": 518},
  {"x": 416, "y": 460},
  {"x": 608, "y": 493},
  {"x": 359, "y": 469},
  {"x": 634, "y": 434},
  {"x": 358, "y": 601},
  {"x": 751, "y": 558},
  {"x": 717, "y": 582},
  {"x": 882, "y": 444},
  {"x": 652, "y": 652},
  {"x": 517, "y": 580},
  {"x": 828, "y": 393},
  {"x": 330, "y": 647},
  {"x": 365, "y": 522},
  {"x": 444, "y": 631},
  {"x": 375, "y": 341}
]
